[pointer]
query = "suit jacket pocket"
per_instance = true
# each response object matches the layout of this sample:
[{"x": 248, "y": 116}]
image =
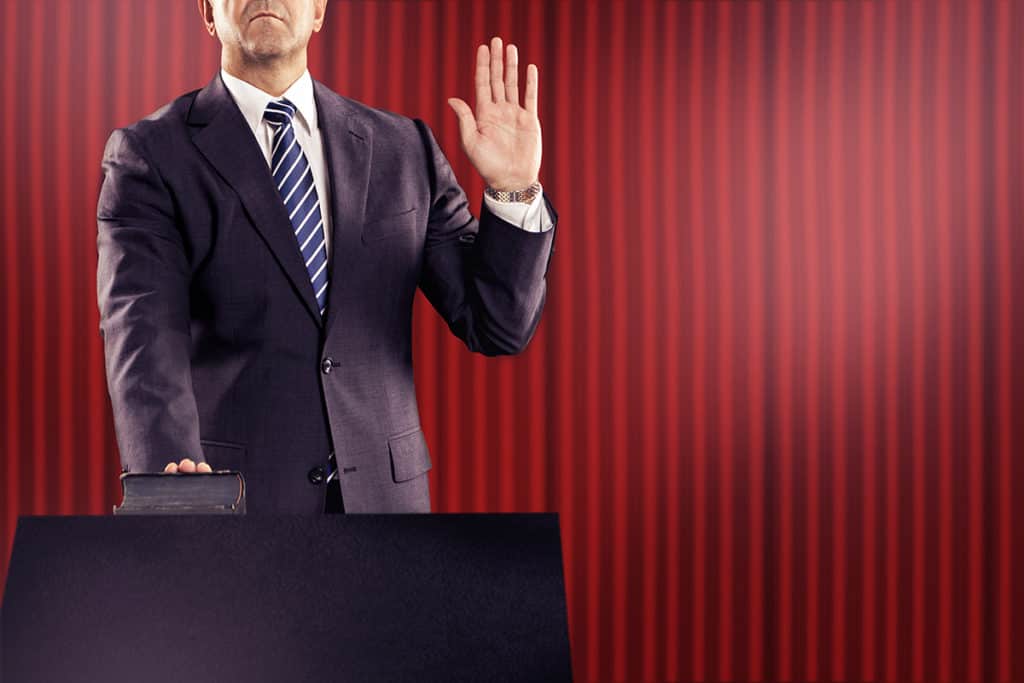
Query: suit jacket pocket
[
  {"x": 409, "y": 455},
  {"x": 224, "y": 455},
  {"x": 378, "y": 228}
]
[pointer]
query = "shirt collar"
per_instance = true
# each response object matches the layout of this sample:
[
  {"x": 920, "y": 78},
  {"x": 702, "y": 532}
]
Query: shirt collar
[{"x": 252, "y": 101}]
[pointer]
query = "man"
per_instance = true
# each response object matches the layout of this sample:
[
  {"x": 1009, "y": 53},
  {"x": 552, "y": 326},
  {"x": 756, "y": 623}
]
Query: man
[{"x": 260, "y": 242}]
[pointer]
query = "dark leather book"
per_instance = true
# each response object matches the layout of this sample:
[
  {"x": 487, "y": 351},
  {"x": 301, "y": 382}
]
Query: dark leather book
[{"x": 221, "y": 492}]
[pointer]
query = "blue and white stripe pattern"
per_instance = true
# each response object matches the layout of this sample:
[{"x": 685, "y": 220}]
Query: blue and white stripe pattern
[{"x": 294, "y": 178}]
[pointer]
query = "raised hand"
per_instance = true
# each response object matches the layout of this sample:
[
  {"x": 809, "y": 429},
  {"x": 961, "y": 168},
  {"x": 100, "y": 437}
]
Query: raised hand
[{"x": 503, "y": 139}]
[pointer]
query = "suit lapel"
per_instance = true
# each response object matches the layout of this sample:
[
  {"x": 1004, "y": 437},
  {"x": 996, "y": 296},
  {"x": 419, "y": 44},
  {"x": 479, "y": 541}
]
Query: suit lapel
[
  {"x": 348, "y": 144},
  {"x": 224, "y": 138}
]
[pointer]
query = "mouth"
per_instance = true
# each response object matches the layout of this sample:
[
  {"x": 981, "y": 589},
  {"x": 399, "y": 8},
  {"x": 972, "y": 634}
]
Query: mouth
[{"x": 266, "y": 14}]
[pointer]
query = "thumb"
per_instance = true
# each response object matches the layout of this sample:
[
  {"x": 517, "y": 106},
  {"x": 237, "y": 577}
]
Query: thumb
[{"x": 467, "y": 123}]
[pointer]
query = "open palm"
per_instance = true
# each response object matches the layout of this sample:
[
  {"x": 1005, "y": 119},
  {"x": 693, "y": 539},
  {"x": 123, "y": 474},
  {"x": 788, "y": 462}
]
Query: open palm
[{"x": 503, "y": 139}]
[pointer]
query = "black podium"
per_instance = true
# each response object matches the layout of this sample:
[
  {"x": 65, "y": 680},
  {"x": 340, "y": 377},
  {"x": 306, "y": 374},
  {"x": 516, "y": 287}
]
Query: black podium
[{"x": 409, "y": 597}]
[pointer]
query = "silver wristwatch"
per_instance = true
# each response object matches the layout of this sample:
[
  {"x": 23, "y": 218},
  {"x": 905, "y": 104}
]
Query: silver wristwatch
[{"x": 526, "y": 195}]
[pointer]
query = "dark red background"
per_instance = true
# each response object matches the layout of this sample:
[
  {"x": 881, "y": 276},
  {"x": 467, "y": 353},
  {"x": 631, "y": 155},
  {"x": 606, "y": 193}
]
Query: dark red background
[{"x": 776, "y": 392}]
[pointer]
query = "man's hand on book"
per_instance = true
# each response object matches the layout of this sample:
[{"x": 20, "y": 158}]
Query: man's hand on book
[{"x": 187, "y": 465}]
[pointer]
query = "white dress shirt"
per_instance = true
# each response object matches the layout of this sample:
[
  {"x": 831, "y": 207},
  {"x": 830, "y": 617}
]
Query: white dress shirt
[{"x": 252, "y": 102}]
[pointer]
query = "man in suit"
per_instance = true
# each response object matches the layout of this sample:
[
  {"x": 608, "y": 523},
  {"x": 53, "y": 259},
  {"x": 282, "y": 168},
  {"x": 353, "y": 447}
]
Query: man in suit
[{"x": 260, "y": 242}]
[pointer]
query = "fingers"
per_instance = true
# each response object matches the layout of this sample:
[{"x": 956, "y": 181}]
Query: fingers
[
  {"x": 497, "y": 69},
  {"x": 497, "y": 79},
  {"x": 531, "y": 89},
  {"x": 187, "y": 465},
  {"x": 512, "y": 74},
  {"x": 467, "y": 122},
  {"x": 482, "y": 79}
]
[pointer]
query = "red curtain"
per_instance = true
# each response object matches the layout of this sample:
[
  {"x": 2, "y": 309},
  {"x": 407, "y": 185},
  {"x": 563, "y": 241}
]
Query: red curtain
[{"x": 775, "y": 395}]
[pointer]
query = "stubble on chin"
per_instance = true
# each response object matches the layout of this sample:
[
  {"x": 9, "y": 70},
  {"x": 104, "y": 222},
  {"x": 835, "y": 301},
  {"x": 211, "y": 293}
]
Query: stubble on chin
[{"x": 263, "y": 43}]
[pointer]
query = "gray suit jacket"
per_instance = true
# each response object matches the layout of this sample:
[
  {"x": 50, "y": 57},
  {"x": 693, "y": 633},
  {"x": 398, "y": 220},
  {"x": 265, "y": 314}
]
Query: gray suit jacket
[{"x": 214, "y": 346}]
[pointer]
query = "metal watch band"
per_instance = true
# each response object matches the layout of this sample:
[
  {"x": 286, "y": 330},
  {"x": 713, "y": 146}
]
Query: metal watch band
[{"x": 526, "y": 195}]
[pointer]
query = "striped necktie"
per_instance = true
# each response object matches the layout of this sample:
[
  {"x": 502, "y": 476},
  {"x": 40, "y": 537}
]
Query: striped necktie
[{"x": 294, "y": 179}]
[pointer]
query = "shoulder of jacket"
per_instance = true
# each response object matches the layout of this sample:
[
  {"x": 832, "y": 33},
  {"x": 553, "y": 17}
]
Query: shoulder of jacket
[
  {"x": 383, "y": 121},
  {"x": 164, "y": 122}
]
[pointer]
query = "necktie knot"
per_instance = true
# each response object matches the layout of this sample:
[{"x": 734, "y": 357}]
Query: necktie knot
[{"x": 279, "y": 111}]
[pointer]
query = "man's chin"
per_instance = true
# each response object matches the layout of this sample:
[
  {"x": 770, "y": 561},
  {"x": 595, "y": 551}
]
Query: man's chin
[{"x": 265, "y": 51}]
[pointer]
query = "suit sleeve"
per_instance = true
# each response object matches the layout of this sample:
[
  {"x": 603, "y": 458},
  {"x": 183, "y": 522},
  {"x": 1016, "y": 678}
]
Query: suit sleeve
[
  {"x": 486, "y": 277},
  {"x": 142, "y": 283}
]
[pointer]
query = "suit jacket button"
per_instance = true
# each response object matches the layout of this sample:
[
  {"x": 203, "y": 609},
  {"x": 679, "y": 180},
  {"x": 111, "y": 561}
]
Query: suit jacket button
[
  {"x": 326, "y": 365},
  {"x": 316, "y": 475}
]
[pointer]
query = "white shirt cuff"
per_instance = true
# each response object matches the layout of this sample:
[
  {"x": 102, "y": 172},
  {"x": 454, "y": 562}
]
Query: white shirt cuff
[{"x": 532, "y": 217}]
